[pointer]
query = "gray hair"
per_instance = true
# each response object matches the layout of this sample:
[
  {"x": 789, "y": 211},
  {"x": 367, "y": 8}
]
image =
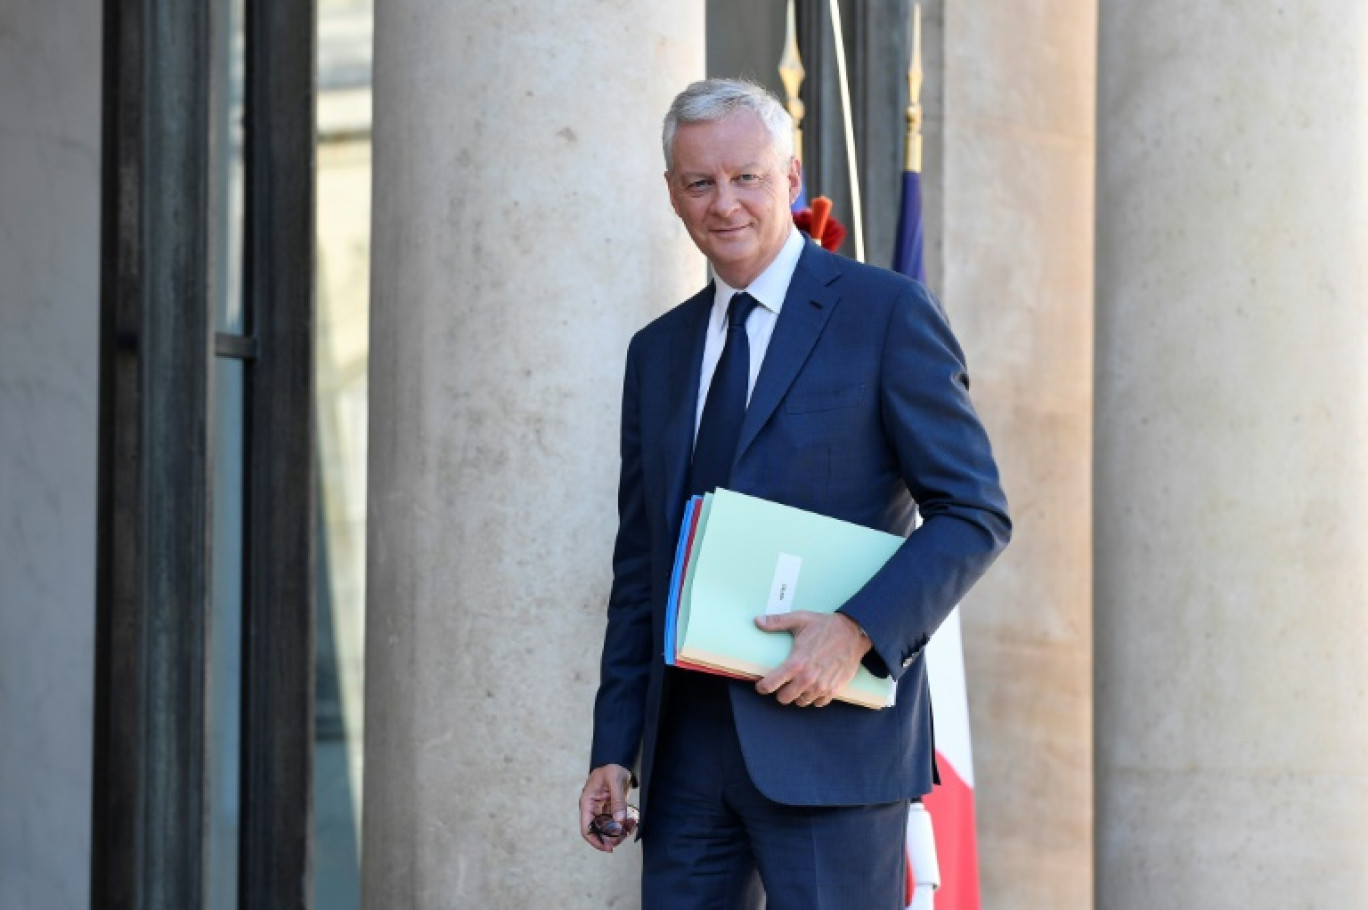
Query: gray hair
[{"x": 714, "y": 99}]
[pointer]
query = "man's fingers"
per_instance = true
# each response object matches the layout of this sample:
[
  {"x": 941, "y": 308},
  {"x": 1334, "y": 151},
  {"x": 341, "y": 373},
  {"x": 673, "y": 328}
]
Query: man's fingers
[
  {"x": 822, "y": 659},
  {"x": 796, "y": 682},
  {"x": 588, "y": 805},
  {"x": 784, "y": 622},
  {"x": 605, "y": 794},
  {"x": 810, "y": 697},
  {"x": 591, "y": 835},
  {"x": 799, "y": 691},
  {"x": 617, "y": 801},
  {"x": 778, "y": 677},
  {"x": 591, "y": 800}
]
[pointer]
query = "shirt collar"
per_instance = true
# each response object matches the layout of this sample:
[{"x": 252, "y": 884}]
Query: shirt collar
[{"x": 771, "y": 286}]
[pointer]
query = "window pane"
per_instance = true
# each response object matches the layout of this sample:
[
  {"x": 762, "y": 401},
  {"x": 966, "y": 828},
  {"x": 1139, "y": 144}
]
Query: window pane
[
  {"x": 225, "y": 638},
  {"x": 226, "y": 166},
  {"x": 343, "y": 280},
  {"x": 224, "y": 649}
]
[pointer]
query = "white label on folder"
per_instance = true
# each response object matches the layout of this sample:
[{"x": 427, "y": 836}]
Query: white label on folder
[{"x": 785, "y": 583}]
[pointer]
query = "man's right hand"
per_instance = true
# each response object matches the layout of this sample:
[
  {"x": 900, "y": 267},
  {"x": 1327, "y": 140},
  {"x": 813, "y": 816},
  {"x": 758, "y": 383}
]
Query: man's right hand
[{"x": 605, "y": 793}]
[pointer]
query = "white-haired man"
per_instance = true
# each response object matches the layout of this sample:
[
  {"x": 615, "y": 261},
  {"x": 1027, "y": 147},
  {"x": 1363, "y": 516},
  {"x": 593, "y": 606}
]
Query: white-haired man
[{"x": 807, "y": 379}]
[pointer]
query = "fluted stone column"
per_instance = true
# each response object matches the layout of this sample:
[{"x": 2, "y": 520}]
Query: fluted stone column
[
  {"x": 522, "y": 232},
  {"x": 1010, "y": 167},
  {"x": 1232, "y": 455}
]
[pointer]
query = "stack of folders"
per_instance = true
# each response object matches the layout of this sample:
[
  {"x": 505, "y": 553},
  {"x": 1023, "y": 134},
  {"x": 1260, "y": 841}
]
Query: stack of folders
[{"x": 740, "y": 557}]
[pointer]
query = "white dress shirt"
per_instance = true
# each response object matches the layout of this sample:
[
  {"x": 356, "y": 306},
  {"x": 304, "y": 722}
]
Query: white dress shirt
[{"x": 769, "y": 288}]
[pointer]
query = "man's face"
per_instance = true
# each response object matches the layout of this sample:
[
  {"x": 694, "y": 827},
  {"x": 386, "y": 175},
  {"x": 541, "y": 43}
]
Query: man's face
[{"x": 733, "y": 193}]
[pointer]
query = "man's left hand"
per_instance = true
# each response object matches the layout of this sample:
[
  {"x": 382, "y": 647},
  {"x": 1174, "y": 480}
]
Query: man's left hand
[{"x": 827, "y": 648}]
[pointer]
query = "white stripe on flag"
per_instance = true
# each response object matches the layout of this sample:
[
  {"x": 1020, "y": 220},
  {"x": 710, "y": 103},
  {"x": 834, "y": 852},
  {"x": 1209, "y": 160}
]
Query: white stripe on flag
[{"x": 950, "y": 697}]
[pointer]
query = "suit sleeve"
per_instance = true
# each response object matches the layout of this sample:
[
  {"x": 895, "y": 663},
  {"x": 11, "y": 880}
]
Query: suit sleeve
[
  {"x": 619, "y": 708},
  {"x": 945, "y": 459}
]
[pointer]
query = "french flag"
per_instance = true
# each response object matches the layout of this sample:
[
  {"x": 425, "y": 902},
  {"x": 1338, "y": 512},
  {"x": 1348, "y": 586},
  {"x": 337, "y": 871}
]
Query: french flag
[
  {"x": 947, "y": 866},
  {"x": 943, "y": 863}
]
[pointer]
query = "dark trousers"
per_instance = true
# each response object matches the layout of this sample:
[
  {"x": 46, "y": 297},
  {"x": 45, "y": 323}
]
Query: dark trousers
[{"x": 712, "y": 839}]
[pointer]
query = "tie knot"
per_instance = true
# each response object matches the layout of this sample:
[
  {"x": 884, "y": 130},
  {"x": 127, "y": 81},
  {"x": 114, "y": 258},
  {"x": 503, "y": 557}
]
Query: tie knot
[{"x": 739, "y": 310}]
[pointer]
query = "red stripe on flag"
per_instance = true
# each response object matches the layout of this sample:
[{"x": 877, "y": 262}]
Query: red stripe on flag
[
  {"x": 951, "y": 805},
  {"x": 911, "y": 883}
]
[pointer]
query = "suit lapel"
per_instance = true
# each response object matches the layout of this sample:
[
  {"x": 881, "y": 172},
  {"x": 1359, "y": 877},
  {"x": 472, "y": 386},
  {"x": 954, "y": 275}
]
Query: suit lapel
[
  {"x": 681, "y": 405},
  {"x": 808, "y": 305}
]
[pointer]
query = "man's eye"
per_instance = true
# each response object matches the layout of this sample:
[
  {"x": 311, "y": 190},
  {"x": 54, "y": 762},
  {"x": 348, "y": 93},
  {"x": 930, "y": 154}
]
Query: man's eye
[
  {"x": 747, "y": 178},
  {"x": 697, "y": 186}
]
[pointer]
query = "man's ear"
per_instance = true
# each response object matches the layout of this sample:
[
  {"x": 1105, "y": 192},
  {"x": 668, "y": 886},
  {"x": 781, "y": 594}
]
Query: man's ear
[{"x": 795, "y": 179}]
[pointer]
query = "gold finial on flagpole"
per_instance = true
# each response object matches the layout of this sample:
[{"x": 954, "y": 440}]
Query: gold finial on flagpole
[
  {"x": 791, "y": 72},
  {"x": 912, "y": 152}
]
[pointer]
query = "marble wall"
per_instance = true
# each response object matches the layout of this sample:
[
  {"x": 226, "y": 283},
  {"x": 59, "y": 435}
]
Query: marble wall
[{"x": 49, "y": 369}]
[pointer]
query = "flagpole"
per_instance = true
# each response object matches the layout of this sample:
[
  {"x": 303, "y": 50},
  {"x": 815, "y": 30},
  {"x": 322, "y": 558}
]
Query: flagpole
[
  {"x": 857, "y": 215},
  {"x": 912, "y": 153},
  {"x": 791, "y": 73},
  {"x": 924, "y": 873},
  {"x": 908, "y": 242}
]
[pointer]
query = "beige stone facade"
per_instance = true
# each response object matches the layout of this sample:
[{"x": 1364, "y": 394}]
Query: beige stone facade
[
  {"x": 1148, "y": 223},
  {"x": 1232, "y": 455}
]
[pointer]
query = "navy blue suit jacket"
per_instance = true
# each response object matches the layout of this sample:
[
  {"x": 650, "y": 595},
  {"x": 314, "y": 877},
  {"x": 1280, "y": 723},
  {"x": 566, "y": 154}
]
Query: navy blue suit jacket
[{"x": 861, "y": 411}]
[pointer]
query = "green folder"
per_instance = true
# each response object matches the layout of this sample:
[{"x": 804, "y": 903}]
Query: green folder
[{"x": 751, "y": 557}]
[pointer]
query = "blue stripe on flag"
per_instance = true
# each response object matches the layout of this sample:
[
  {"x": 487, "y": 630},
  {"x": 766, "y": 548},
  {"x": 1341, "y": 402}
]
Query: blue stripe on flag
[{"x": 907, "y": 248}]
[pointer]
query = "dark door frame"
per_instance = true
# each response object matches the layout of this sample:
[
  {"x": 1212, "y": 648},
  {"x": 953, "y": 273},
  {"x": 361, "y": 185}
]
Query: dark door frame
[{"x": 157, "y": 350}]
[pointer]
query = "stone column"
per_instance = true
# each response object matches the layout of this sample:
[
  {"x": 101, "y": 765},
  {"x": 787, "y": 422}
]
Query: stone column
[
  {"x": 1009, "y": 167},
  {"x": 521, "y": 233},
  {"x": 49, "y": 420},
  {"x": 1232, "y": 455}
]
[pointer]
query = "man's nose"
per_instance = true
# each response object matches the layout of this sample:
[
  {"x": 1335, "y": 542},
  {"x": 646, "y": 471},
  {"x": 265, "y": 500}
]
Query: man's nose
[{"x": 724, "y": 200}]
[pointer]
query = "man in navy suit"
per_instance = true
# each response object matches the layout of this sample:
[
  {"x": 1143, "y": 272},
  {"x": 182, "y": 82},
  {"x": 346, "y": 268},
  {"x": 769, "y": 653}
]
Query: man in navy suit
[{"x": 857, "y": 406}]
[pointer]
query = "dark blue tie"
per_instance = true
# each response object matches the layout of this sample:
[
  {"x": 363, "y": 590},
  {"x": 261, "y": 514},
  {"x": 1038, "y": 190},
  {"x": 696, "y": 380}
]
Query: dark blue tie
[{"x": 719, "y": 430}]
